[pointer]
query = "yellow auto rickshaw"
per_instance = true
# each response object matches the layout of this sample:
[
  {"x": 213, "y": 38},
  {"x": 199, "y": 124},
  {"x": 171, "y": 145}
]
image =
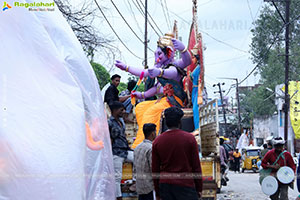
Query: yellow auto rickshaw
[{"x": 250, "y": 157}]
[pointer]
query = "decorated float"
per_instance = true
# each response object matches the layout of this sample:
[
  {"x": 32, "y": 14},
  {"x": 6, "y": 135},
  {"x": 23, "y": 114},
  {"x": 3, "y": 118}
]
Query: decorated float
[{"x": 177, "y": 82}]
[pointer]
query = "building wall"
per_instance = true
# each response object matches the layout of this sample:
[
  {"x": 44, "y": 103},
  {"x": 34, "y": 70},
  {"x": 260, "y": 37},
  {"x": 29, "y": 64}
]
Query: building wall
[{"x": 264, "y": 127}]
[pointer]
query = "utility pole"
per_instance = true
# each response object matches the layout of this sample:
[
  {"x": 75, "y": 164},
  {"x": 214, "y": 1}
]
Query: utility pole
[
  {"x": 238, "y": 104},
  {"x": 223, "y": 106},
  {"x": 146, "y": 32},
  {"x": 286, "y": 80},
  {"x": 238, "y": 101},
  {"x": 286, "y": 96}
]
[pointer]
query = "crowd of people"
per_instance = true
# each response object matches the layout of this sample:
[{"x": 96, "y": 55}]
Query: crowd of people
[
  {"x": 273, "y": 156},
  {"x": 168, "y": 166}
]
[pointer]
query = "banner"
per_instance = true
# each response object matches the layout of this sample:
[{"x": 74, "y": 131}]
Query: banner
[{"x": 294, "y": 88}]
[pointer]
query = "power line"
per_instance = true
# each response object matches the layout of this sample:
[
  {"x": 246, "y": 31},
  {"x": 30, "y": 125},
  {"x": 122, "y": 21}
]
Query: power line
[
  {"x": 115, "y": 31},
  {"x": 162, "y": 6},
  {"x": 253, "y": 20},
  {"x": 232, "y": 86},
  {"x": 133, "y": 15},
  {"x": 249, "y": 31},
  {"x": 143, "y": 14},
  {"x": 168, "y": 15},
  {"x": 128, "y": 24},
  {"x": 250, "y": 10},
  {"x": 227, "y": 60},
  {"x": 222, "y": 42},
  {"x": 205, "y": 3},
  {"x": 151, "y": 18},
  {"x": 269, "y": 48}
]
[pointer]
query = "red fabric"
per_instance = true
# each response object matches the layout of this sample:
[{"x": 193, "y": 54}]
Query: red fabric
[
  {"x": 187, "y": 82},
  {"x": 169, "y": 52},
  {"x": 168, "y": 90},
  {"x": 271, "y": 157},
  {"x": 175, "y": 160}
]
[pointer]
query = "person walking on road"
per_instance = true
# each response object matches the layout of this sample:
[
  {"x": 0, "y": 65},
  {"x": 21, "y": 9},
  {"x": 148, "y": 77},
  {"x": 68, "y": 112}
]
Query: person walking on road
[
  {"x": 237, "y": 157},
  {"x": 285, "y": 159},
  {"x": 175, "y": 161},
  {"x": 223, "y": 159},
  {"x": 143, "y": 163}
]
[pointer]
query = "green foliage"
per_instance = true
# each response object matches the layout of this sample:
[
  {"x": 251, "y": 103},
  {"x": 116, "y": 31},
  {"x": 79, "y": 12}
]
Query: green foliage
[
  {"x": 135, "y": 78},
  {"x": 256, "y": 103},
  {"x": 102, "y": 74},
  {"x": 271, "y": 65},
  {"x": 141, "y": 87},
  {"x": 122, "y": 87}
]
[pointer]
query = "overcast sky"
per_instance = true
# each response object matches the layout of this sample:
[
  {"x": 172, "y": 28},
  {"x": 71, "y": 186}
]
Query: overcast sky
[{"x": 227, "y": 21}]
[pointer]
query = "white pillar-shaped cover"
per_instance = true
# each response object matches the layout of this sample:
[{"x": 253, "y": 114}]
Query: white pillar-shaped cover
[{"x": 48, "y": 92}]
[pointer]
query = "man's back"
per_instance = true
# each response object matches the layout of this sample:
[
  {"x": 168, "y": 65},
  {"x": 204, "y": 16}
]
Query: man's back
[
  {"x": 142, "y": 164},
  {"x": 175, "y": 157}
]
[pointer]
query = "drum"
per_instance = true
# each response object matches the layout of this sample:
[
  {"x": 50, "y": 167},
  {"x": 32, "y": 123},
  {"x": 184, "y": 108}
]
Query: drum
[
  {"x": 285, "y": 175},
  {"x": 269, "y": 185}
]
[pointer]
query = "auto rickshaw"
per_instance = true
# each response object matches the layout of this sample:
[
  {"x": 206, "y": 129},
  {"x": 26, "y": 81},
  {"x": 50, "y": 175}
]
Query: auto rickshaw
[{"x": 250, "y": 157}]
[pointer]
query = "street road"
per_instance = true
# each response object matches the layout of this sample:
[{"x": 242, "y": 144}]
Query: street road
[{"x": 245, "y": 186}]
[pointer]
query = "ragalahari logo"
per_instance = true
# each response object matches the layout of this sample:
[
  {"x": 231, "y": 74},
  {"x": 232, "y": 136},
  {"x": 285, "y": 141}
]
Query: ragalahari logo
[{"x": 6, "y": 6}]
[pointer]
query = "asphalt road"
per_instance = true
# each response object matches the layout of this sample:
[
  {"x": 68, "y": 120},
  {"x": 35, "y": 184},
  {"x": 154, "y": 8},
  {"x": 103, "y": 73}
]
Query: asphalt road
[{"x": 245, "y": 186}]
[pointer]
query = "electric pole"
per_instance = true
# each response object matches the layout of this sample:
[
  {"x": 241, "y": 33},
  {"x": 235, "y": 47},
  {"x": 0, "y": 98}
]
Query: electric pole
[
  {"x": 146, "y": 32},
  {"x": 286, "y": 96},
  {"x": 238, "y": 104},
  {"x": 286, "y": 80},
  {"x": 223, "y": 106},
  {"x": 238, "y": 101}
]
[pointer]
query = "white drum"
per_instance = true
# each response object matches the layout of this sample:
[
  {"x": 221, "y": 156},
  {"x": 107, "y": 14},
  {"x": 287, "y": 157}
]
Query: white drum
[
  {"x": 285, "y": 175},
  {"x": 269, "y": 185}
]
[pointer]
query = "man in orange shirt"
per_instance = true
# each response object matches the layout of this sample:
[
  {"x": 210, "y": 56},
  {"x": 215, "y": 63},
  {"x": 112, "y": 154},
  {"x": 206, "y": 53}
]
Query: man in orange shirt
[{"x": 237, "y": 157}]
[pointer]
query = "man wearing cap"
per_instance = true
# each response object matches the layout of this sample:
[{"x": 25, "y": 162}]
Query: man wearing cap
[
  {"x": 285, "y": 159},
  {"x": 176, "y": 166}
]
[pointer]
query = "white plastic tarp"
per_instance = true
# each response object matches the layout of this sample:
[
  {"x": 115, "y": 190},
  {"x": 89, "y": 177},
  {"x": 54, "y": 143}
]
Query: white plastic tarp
[{"x": 48, "y": 92}]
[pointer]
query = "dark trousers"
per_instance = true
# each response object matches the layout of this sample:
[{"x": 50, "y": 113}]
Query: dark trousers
[
  {"x": 237, "y": 164},
  {"x": 281, "y": 193},
  {"x": 175, "y": 192},
  {"x": 148, "y": 196}
]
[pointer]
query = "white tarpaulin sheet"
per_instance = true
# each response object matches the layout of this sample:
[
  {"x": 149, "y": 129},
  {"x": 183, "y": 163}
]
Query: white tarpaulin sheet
[{"x": 48, "y": 92}]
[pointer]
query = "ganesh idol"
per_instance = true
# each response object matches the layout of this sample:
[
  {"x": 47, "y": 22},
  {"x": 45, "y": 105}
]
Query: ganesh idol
[{"x": 165, "y": 80}]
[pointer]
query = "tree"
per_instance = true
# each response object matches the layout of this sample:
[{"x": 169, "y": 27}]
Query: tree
[
  {"x": 271, "y": 64},
  {"x": 256, "y": 103},
  {"x": 81, "y": 21},
  {"x": 101, "y": 74}
]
